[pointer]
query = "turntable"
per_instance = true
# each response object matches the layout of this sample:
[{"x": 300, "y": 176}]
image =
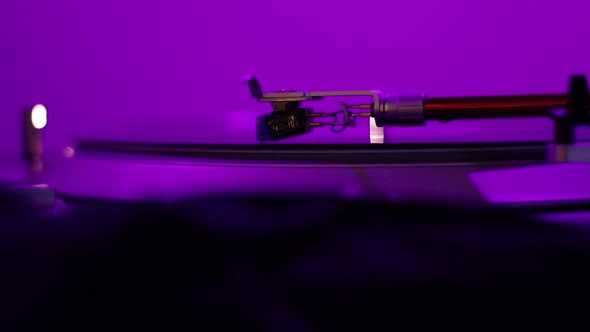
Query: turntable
[
  {"x": 505, "y": 173},
  {"x": 268, "y": 236}
]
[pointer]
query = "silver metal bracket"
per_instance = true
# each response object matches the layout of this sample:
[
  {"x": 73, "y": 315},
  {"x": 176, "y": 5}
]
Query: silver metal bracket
[{"x": 386, "y": 110}]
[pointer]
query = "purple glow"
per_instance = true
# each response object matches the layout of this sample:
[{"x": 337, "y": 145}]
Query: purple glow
[
  {"x": 578, "y": 218},
  {"x": 141, "y": 178},
  {"x": 553, "y": 182},
  {"x": 178, "y": 63}
]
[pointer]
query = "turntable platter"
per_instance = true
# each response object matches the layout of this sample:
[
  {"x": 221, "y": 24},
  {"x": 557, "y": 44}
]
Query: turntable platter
[{"x": 138, "y": 171}]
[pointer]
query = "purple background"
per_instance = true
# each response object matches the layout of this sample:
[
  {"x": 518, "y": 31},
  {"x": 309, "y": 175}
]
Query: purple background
[{"x": 169, "y": 70}]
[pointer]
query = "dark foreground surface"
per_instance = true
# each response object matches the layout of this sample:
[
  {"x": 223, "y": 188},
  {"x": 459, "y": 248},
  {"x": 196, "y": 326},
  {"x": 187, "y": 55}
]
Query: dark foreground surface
[{"x": 287, "y": 264}]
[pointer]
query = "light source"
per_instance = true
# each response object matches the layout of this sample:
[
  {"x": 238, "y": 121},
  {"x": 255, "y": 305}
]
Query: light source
[{"x": 35, "y": 119}]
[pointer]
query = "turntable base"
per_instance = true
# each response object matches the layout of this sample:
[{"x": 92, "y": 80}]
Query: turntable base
[{"x": 129, "y": 171}]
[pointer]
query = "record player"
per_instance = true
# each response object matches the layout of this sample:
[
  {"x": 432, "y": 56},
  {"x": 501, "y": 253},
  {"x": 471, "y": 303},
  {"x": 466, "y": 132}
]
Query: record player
[
  {"x": 505, "y": 173},
  {"x": 216, "y": 236}
]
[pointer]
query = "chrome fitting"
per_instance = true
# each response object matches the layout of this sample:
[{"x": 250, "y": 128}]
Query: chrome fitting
[{"x": 400, "y": 110}]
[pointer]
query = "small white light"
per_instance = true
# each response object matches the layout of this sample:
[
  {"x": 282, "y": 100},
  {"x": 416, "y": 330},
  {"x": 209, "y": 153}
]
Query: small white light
[
  {"x": 39, "y": 116},
  {"x": 69, "y": 152}
]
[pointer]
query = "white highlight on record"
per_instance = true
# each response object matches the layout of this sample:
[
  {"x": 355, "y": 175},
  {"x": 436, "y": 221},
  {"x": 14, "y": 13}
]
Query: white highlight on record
[
  {"x": 39, "y": 116},
  {"x": 69, "y": 152}
]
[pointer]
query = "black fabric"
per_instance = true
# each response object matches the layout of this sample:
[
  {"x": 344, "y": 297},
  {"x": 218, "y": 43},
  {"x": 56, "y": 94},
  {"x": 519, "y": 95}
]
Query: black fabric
[{"x": 287, "y": 264}]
